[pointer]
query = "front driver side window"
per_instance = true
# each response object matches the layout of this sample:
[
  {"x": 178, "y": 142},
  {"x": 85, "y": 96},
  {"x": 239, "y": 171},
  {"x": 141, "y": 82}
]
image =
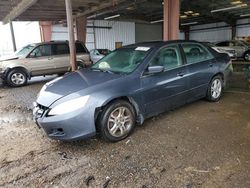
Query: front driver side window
[
  {"x": 169, "y": 57},
  {"x": 42, "y": 50}
]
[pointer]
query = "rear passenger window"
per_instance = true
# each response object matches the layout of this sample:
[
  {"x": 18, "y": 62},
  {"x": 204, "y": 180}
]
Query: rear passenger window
[
  {"x": 168, "y": 57},
  {"x": 80, "y": 48},
  {"x": 59, "y": 49},
  {"x": 196, "y": 53}
]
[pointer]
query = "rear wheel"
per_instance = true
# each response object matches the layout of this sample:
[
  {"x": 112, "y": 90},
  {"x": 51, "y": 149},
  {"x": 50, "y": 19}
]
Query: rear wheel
[
  {"x": 215, "y": 88},
  {"x": 247, "y": 56},
  {"x": 16, "y": 78},
  {"x": 117, "y": 121}
]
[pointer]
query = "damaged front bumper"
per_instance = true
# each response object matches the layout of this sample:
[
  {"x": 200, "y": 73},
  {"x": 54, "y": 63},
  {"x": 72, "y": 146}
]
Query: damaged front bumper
[{"x": 72, "y": 126}]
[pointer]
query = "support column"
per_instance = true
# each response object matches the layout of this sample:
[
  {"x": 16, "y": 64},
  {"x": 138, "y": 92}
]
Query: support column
[
  {"x": 171, "y": 11},
  {"x": 12, "y": 36},
  {"x": 46, "y": 31},
  {"x": 72, "y": 47},
  {"x": 81, "y": 24}
]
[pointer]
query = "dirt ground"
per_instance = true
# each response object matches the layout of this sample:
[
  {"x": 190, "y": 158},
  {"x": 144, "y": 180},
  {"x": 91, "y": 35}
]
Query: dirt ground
[{"x": 198, "y": 145}]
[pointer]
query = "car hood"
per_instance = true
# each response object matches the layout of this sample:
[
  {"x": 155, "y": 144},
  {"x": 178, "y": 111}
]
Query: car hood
[
  {"x": 8, "y": 58},
  {"x": 226, "y": 48},
  {"x": 72, "y": 82}
]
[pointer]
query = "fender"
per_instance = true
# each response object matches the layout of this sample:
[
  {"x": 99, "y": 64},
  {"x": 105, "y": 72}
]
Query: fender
[
  {"x": 7, "y": 70},
  {"x": 138, "y": 109}
]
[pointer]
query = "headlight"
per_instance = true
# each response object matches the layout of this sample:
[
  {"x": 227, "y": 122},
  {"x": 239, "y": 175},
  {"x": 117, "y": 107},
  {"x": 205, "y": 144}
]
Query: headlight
[{"x": 69, "y": 106}]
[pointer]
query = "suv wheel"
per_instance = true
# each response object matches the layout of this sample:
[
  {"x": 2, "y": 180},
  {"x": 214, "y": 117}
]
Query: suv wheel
[
  {"x": 117, "y": 121},
  {"x": 247, "y": 56},
  {"x": 16, "y": 78}
]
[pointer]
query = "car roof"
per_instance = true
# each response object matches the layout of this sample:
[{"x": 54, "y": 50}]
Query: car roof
[
  {"x": 54, "y": 42},
  {"x": 158, "y": 44}
]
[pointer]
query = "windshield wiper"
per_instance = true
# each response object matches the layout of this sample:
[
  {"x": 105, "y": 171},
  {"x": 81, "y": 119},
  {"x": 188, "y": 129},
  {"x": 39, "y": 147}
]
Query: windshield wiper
[{"x": 102, "y": 70}]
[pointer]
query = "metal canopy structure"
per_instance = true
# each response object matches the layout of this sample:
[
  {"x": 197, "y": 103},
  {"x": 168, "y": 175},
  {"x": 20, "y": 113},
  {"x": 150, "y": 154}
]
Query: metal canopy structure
[
  {"x": 150, "y": 11},
  {"x": 47, "y": 10},
  {"x": 196, "y": 12}
]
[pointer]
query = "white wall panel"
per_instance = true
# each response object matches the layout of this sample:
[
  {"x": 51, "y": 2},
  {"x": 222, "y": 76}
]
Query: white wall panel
[
  {"x": 243, "y": 31},
  {"x": 211, "y": 35},
  {"x": 243, "y": 21},
  {"x": 220, "y": 34},
  {"x": 219, "y": 24},
  {"x": 120, "y": 32},
  {"x": 105, "y": 38},
  {"x": 125, "y": 32}
]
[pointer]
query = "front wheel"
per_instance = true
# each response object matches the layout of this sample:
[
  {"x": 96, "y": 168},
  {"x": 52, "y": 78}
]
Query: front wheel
[
  {"x": 117, "y": 121},
  {"x": 16, "y": 78},
  {"x": 247, "y": 56},
  {"x": 215, "y": 88}
]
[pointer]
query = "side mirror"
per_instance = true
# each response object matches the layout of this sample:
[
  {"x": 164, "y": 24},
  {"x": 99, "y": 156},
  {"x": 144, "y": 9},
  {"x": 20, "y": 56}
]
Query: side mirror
[{"x": 155, "y": 69}]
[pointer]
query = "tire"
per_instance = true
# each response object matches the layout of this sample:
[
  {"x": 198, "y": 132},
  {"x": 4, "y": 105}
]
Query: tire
[
  {"x": 113, "y": 127},
  {"x": 215, "y": 89},
  {"x": 247, "y": 56},
  {"x": 17, "y": 78},
  {"x": 80, "y": 65}
]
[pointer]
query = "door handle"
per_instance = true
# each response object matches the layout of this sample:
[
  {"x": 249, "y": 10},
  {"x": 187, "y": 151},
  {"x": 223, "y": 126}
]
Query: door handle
[{"x": 181, "y": 74}]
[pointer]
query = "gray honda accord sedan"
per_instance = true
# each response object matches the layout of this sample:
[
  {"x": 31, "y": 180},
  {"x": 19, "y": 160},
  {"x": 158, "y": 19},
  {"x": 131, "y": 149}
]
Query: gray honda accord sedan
[{"x": 129, "y": 85}]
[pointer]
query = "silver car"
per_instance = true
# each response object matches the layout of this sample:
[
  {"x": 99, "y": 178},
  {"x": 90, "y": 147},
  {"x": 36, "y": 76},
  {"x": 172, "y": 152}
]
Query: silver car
[
  {"x": 41, "y": 59},
  {"x": 97, "y": 54},
  {"x": 229, "y": 51},
  {"x": 241, "y": 47}
]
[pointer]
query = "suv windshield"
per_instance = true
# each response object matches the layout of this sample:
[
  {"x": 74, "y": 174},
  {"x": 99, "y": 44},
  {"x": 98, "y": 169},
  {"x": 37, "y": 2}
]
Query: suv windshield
[
  {"x": 124, "y": 60},
  {"x": 24, "y": 50},
  {"x": 246, "y": 43},
  {"x": 209, "y": 44}
]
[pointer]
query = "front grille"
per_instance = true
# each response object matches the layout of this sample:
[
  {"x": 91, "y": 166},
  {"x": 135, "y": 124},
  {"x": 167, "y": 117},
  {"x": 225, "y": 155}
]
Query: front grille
[{"x": 39, "y": 110}]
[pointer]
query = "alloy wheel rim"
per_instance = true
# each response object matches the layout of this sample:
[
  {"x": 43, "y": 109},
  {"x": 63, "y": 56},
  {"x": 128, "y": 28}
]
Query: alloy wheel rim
[
  {"x": 18, "y": 78},
  {"x": 120, "y": 121},
  {"x": 247, "y": 56},
  {"x": 216, "y": 88}
]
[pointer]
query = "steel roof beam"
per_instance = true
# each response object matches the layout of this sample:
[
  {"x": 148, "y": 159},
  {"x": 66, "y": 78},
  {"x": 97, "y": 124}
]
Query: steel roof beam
[{"x": 18, "y": 10}]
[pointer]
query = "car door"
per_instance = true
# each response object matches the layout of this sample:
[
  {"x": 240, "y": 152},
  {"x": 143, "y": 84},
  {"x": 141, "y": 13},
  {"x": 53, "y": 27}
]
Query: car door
[
  {"x": 201, "y": 67},
  {"x": 165, "y": 90},
  {"x": 40, "y": 61},
  {"x": 60, "y": 55}
]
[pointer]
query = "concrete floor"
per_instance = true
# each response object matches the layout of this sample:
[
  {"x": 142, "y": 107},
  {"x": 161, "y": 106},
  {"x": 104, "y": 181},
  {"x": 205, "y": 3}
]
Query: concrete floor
[{"x": 198, "y": 145}]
